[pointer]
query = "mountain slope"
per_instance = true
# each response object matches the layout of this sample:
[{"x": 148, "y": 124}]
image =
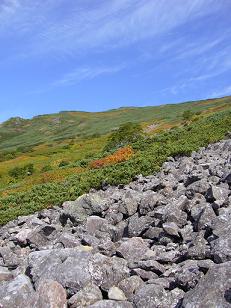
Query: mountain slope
[
  {"x": 18, "y": 132},
  {"x": 25, "y": 195}
]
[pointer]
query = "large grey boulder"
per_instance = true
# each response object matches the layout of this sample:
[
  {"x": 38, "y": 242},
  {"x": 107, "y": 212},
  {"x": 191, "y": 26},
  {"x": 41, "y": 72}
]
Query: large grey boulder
[
  {"x": 148, "y": 202},
  {"x": 213, "y": 290},
  {"x": 151, "y": 296},
  {"x": 133, "y": 249},
  {"x": 50, "y": 294},
  {"x": 198, "y": 247},
  {"x": 150, "y": 265},
  {"x": 69, "y": 267},
  {"x": 203, "y": 215},
  {"x": 22, "y": 236},
  {"x": 107, "y": 272},
  {"x": 88, "y": 295},
  {"x": 10, "y": 259},
  {"x": 101, "y": 228},
  {"x": 130, "y": 285},
  {"x": 185, "y": 274},
  {"x": 17, "y": 293},
  {"x": 116, "y": 293},
  {"x": 217, "y": 193},
  {"x": 165, "y": 255},
  {"x": 137, "y": 225},
  {"x": 67, "y": 240},
  {"x": 130, "y": 202},
  {"x": 200, "y": 187},
  {"x": 88, "y": 204},
  {"x": 171, "y": 228},
  {"x": 74, "y": 268},
  {"x": 153, "y": 233},
  {"x": 221, "y": 248}
]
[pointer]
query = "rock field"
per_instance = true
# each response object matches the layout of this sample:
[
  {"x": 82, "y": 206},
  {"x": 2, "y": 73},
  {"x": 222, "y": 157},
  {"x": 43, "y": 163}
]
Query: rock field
[{"x": 162, "y": 241}]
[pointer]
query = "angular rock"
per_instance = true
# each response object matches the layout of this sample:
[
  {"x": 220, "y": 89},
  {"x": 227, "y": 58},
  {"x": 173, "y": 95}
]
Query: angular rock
[
  {"x": 95, "y": 223},
  {"x": 145, "y": 275},
  {"x": 5, "y": 274},
  {"x": 10, "y": 259},
  {"x": 107, "y": 272},
  {"x": 130, "y": 202},
  {"x": 151, "y": 265},
  {"x": 137, "y": 225},
  {"x": 188, "y": 275},
  {"x": 171, "y": 228},
  {"x": 22, "y": 236},
  {"x": 111, "y": 304},
  {"x": 217, "y": 193},
  {"x": 148, "y": 202},
  {"x": 130, "y": 285},
  {"x": 227, "y": 178},
  {"x": 153, "y": 233},
  {"x": 198, "y": 248},
  {"x": 200, "y": 187},
  {"x": 213, "y": 290},
  {"x": 133, "y": 249},
  {"x": 151, "y": 295},
  {"x": 107, "y": 247},
  {"x": 68, "y": 240},
  {"x": 17, "y": 293},
  {"x": 86, "y": 296},
  {"x": 50, "y": 294},
  {"x": 77, "y": 211},
  {"x": 116, "y": 293},
  {"x": 203, "y": 216},
  {"x": 69, "y": 267},
  {"x": 221, "y": 248},
  {"x": 163, "y": 255}
]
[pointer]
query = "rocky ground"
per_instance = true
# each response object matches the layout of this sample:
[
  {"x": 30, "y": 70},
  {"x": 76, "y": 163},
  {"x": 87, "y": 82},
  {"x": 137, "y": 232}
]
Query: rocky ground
[{"x": 161, "y": 241}]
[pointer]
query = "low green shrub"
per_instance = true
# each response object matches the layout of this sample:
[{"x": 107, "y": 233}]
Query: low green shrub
[
  {"x": 46, "y": 168},
  {"x": 21, "y": 172},
  {"x": 63, "y": 163},
  {"x": 124, "y": 135}
]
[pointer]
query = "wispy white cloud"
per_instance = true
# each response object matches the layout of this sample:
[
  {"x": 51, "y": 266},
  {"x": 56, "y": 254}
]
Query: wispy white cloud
[
  {"x": 86, "y": 73},
  {"x": 59, "y": 30},
  {"x": 85, "y": 26}
]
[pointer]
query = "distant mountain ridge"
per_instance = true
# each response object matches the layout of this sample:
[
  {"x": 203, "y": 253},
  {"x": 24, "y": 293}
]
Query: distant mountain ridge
[{"x": 71, "y": 124}]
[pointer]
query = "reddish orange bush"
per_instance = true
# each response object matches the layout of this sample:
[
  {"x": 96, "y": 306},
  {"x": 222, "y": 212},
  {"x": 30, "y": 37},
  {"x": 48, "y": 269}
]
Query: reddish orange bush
[{"x": 119, "y": 156}]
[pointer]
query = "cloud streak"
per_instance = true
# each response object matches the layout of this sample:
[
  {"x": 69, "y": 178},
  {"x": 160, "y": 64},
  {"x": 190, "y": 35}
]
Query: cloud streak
[
  {"x": 86, "y": 73},
  {"x": 85, "y": 27}
]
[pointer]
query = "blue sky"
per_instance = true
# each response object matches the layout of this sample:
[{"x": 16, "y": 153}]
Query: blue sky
[{"x": 95, "y": 55}]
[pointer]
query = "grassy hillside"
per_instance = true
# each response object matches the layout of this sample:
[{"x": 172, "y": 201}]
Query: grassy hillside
[
  {"x": 16, "y": 132},
  {"x": 33, "y": 176}
]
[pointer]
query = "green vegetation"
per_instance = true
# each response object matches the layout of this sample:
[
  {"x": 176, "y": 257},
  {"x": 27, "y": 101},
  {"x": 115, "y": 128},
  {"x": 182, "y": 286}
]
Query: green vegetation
[
  {"x": 187, "y": 115},
  {"x": 150, "y": 153},
  {"x": 18, "y": 135},
  {"x": 46, "y": 168},
  {"x": 18, "y": 172},
  {"x": 63, "y": 163},
  {"x": 126, "y": 134}
]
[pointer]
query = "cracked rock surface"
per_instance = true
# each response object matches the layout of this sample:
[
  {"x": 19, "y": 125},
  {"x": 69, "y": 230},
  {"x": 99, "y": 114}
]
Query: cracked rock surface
[{"x": 161, "y": 241}]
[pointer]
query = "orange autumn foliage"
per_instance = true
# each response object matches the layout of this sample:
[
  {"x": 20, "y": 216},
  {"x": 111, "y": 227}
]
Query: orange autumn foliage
[{"x": 119, "y": 156}]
